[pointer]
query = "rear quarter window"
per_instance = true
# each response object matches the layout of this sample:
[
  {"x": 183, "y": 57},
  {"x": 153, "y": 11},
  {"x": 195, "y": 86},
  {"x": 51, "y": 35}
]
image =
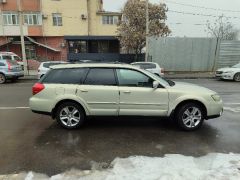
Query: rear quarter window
[{"x": 65, "y": 76}]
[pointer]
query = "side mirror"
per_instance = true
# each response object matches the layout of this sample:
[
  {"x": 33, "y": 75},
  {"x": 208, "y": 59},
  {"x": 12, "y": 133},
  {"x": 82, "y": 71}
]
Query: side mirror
[{"x": 155, "y": 84}]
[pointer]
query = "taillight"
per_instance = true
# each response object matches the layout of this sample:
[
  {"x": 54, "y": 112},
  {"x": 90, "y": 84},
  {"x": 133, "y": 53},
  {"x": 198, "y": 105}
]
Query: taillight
[{"x": 38, "y": 87}]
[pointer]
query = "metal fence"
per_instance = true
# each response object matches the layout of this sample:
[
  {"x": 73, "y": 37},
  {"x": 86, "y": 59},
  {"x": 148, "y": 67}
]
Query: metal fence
[
  {"x": 229, "y": 53},
  {"x": 184, "y": 54}
]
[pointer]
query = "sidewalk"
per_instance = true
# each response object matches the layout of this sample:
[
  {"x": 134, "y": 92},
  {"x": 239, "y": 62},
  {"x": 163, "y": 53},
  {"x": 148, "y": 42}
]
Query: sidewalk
[
  {"x": 32, "y": 75},
  {"x": 170, "y": 75}
]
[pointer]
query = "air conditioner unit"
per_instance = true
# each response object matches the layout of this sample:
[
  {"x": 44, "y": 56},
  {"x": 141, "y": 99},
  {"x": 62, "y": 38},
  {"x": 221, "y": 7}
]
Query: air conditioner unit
[
  {"x": 3, "y": 1},
  {"x": 45, "y": 16},
  {"x": 84, "y": 16}
]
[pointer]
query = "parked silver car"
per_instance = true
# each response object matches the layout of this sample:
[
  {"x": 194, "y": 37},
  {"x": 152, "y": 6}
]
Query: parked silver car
[{"x": 10, "y": 69}]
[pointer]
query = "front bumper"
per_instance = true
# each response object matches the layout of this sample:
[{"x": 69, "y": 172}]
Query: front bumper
[
  {"x": 227, "y": 76},
  {"x": 214, "y": 109}
]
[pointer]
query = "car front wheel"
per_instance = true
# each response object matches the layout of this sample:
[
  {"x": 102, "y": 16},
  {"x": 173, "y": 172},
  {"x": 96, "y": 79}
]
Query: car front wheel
[
  {"x": 70, "y": 115},
  {"x": 237, "y": 77},
  {"x": 190, "y": 116}
]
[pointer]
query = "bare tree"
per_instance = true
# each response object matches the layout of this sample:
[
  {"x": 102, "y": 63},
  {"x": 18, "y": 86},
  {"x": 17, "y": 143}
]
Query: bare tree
[
  {"x": 132, "y": 29},
  {"x": 222, "y": 29}
]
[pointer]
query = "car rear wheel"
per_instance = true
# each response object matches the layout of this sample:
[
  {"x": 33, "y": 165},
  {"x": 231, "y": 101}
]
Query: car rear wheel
[
  {"x": 70, "y": 115},
  {"x": 2, "y": 78},
  {"x": 190, "y": 116},
  {"x": 237, "y": 77}
]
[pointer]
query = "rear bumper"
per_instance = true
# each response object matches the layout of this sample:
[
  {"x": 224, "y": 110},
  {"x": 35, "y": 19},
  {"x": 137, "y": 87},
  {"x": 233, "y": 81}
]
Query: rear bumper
[
  {"x": 11, "y": 75},
  {"x": 43, "y": 113}
]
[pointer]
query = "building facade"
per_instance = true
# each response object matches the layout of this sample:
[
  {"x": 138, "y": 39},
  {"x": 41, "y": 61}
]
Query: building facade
[{"x": 59, "y": 29}]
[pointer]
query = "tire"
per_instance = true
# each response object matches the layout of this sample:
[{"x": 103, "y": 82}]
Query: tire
[
  {"x": 67, "y": 118},
  {"x": 190, "y": 117},
  {"x": 2, "y": 78},
  {"x": 236, "y": 77}
]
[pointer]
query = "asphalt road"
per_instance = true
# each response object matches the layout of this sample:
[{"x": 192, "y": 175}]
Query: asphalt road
[{"x": 31, "y": 142}]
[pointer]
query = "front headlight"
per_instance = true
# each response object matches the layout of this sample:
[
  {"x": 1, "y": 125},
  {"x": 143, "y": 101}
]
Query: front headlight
[{"x": 216, "y": 97}]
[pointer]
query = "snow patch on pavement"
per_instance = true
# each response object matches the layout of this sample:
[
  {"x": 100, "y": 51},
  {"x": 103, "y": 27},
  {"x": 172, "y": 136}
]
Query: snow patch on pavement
[{"x": 170, "y": 167}]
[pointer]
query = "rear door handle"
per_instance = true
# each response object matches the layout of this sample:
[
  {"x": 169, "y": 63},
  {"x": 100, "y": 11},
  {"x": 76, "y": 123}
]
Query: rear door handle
[{"x": 127, "y": 92}]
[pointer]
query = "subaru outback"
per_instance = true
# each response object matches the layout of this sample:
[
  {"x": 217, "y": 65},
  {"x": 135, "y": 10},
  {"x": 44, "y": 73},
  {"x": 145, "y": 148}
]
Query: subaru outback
[{"x": 70, "y": 93}]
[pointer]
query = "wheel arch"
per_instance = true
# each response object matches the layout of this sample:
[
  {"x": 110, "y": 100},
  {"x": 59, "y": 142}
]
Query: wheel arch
[
  {"x": 201, "y": 104},
  {"x": 68, "y": 100}
]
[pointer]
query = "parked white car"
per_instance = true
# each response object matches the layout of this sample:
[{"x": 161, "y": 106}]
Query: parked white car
[
  {"x": 71, "y": 92},
  {"x": 229, "y": 73},
  {"x": 150, "y": 66},
  {"x": 45, "y": 66}
]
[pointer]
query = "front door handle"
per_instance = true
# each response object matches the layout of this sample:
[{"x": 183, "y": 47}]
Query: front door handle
[{"x": 127, "y": 92}]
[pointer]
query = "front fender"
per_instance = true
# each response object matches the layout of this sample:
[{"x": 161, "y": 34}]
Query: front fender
[{"x": 173, "y": 103}]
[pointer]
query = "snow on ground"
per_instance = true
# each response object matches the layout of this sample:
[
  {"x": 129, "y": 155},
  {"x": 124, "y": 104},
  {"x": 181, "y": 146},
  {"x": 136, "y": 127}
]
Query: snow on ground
[{"x": 170, "y": 167}]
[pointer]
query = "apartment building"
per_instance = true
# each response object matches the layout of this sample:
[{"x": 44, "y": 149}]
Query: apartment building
[{"x": 59, "y": 29}]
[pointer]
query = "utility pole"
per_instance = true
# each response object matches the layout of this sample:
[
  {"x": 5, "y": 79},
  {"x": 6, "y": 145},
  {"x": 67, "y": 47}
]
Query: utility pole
[
  {"x": 147, "y": 31},
  {"x": 20, "y": 16}
]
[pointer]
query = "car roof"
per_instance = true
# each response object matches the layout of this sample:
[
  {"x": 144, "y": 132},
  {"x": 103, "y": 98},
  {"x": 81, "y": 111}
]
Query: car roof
[
  {"x": 54, "y": 62},
  {"x": 92, "y": 65},
  {"x": 143, "y": 62}
]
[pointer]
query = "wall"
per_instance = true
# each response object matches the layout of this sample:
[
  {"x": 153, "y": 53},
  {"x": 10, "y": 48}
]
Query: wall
[
  {"x": 71, "y": 11},
  {"x": 73, "y": 24},
  {"x": 184, "y": 54},
  {"x": 229, "y": 53}
]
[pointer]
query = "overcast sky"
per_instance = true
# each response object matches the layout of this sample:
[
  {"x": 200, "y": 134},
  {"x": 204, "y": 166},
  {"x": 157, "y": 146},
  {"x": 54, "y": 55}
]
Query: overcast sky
[{"x": 190, "y": 23}]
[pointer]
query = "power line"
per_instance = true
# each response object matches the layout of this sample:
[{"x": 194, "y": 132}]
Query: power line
[
  {"x": 202, "y": 7},
  {"x": 200, "y": 14}
]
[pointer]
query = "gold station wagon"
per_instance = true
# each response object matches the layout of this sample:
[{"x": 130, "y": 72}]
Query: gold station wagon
[{"x": 71, "y": 92}]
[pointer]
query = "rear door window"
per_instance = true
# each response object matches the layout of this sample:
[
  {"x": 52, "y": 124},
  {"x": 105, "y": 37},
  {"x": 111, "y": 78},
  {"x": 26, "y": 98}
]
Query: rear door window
[
  {"x": 65, "y": 76},
  {"x": 101, "y": 76}
]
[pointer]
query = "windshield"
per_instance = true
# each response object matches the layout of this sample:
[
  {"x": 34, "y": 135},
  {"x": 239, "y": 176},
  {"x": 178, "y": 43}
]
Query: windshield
[
  {"x": 237, "y": 65},
  {"x": 162, "y": 81}
]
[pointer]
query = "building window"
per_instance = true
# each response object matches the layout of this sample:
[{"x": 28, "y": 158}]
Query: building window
[
  {"x": 10, "y": 18},
  {"x": 33, "y": 19},
  {"x": 78, "y": 46},
  {"x": 57, "y": 19},
  {"x": 110, "y": 19}
]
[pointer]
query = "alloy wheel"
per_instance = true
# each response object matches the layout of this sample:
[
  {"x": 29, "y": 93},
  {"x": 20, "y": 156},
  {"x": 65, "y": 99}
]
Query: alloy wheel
[
  {"x": 237, "y": 77},
  {"x": 192, "y": 117},
  {"x": 70, "y": 116},
  {"x": 2, "y": 79}
]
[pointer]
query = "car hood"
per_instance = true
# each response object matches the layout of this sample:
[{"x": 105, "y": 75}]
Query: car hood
[
  {"x": 228, "y": 69},
  {"x": 191, "y": 88}
]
